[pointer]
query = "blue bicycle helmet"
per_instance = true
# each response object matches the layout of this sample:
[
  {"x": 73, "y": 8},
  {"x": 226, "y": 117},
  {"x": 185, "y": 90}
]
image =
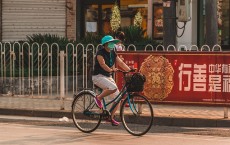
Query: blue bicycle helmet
[{"x": 108, "y": 38}]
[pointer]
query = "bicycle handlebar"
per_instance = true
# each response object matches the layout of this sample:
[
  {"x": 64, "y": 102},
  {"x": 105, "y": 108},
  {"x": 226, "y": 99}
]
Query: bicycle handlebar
[{"x": 125, "y": 72}]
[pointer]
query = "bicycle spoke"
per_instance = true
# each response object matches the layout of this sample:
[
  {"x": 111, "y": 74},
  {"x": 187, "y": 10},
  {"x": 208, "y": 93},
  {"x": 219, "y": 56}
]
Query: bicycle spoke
[
  {"x": 138, "y": 117},
  {"x": 85, "y": 113}
]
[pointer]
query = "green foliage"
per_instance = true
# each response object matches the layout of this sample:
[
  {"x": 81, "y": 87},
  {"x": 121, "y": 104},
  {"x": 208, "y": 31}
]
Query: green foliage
[
  {"x": 136, "y": 35},
  {"x": 91, "y": 38},
  {"x": 62, "y": 43},
  {"x": 133, "y": 34},
  {"x": 49, "y": 39}
]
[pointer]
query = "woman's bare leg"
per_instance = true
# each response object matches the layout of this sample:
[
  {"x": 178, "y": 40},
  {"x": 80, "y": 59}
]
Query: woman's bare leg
[{"x": 114, "y": 110}]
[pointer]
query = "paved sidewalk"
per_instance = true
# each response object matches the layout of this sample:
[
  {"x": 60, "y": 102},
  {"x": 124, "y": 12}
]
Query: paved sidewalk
[{"x": 171, "y": 115}]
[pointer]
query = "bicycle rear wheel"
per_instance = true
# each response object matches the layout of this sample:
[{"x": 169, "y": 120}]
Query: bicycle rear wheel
[
  {"x": 137, "y": 119},
  {"x": 85, "y": 113}
]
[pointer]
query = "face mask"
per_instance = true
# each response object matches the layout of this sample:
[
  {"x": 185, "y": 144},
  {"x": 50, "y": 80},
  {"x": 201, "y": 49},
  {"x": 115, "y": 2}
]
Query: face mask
[{"x": 111, "y": 45}]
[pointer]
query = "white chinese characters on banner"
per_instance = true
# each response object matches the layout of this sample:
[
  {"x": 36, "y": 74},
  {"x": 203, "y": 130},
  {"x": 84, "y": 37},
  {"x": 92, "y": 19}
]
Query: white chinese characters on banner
[
  {"x": 199, "y": 77},
  {"x": 185, "y": 69},
  {"x": 226, "y": 83},
  {"x": 215, "y": 79},
  {"x": 214, "y": 83}
]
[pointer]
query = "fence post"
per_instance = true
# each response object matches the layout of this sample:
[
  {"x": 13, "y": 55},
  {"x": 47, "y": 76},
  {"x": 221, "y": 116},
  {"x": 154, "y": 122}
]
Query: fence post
[
  {"x": 225, "y": 112},
  {"x": 62, "y": 80}
]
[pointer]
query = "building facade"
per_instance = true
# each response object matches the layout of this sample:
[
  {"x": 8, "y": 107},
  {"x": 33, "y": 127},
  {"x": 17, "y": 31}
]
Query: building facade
[{"x": 74, "y": 18}]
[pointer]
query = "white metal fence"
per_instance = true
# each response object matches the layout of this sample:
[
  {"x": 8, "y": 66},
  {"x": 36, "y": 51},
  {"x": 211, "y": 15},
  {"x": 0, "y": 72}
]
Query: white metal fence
[{"x": 50, "y": 71}]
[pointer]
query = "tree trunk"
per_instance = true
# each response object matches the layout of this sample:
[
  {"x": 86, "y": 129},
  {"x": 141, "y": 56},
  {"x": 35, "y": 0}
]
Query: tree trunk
[{"x": 211, "y": 22}]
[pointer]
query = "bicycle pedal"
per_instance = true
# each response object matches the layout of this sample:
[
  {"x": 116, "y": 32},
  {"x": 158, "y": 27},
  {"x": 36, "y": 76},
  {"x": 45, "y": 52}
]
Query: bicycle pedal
[{"x": 105, "y": 113}]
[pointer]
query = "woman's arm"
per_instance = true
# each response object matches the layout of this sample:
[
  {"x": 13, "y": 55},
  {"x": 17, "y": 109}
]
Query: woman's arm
[
  {"x": 122, "y": 64},
  {"x": 103, "y": 65}
]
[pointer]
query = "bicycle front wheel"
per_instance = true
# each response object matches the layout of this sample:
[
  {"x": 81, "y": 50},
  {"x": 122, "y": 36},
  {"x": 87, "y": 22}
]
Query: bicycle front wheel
[
  {"x": 138, "y": 117},
  {"x": 85, "y": 113}
]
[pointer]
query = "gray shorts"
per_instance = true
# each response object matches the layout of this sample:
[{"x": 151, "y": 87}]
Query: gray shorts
[{"x": 105, "y": 82}]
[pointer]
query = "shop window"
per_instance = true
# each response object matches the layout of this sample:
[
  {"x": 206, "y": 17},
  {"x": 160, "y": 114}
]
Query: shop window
[
  {"x": 128, "y": 10},
  {"x": 91, "y": 18},
  {"x": 97, "y": 18},
  {"x": 157, "y": 21}
]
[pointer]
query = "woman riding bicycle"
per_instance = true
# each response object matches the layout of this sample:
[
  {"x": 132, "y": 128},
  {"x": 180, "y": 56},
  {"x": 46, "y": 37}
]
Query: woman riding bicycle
[{"x": 105, "y": 61}]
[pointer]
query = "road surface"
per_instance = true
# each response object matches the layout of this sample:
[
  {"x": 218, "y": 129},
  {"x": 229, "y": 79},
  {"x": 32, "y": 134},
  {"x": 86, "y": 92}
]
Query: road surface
[{"x": 44, "y": 132}]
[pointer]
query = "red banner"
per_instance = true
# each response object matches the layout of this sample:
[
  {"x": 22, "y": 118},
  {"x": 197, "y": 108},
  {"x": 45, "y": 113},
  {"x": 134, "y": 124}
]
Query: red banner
[{"x": 201, "y": 77}]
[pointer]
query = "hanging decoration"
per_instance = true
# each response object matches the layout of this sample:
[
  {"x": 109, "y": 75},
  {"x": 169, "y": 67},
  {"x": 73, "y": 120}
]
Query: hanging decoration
[
  {"x": 138, "y": 19},
  {"x": 115, "y": 21}
]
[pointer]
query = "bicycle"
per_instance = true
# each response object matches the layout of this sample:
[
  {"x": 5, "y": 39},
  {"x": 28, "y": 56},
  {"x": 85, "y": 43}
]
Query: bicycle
[{"x": 137, "y": 119}]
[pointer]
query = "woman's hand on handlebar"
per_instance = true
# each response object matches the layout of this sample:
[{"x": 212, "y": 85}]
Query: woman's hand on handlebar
[
  {"x": 114, "y": 69},
  {"x": 131, "y": 70}
]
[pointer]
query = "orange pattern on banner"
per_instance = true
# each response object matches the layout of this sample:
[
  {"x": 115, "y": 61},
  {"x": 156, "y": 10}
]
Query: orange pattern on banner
[{"x": 159, "y": 77}]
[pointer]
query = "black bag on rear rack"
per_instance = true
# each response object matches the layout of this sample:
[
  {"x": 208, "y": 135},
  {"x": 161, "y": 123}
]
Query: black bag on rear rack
[{"x": 135, "y": 82}]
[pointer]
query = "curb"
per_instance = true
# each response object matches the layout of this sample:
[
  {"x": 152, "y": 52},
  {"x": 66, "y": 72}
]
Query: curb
[{"x": 161, "y": 121}]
